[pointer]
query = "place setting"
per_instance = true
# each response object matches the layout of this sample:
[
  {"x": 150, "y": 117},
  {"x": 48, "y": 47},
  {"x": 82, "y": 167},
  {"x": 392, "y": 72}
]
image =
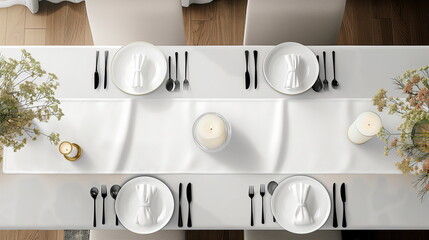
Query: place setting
[{"x": 299, "y": 204}]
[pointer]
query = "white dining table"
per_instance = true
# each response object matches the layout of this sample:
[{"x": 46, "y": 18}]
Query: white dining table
[{"x": 378, "y": 196}]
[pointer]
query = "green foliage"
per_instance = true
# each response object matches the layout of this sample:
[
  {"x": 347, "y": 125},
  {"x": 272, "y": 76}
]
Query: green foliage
[
  {"x": 26, "y": 94},
  {"x": 412, "y": 144}
]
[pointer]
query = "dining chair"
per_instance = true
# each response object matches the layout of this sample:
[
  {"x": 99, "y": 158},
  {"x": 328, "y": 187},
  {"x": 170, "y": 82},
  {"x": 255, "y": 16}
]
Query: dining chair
[
  {"x": 312, "y": 22},
  {"x": 114, "y": 22},
  {"x": 127, "y": 235},
  {"x": 281, "y": 235}
]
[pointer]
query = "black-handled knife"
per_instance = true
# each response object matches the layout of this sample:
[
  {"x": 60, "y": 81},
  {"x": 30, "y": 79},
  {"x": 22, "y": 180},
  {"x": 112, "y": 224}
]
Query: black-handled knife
[
  {"x": 335, "y": 221},
  {"x": 343, "y": 198},
  {"x": 180, "y": 222},
  {"x": 255, "y": 56},
  {"x": 106, "y": 56},
  {"x": 247, "y": 74},
  {"x": 189, "y": 197},
  {"x": 96, "y": 77}
]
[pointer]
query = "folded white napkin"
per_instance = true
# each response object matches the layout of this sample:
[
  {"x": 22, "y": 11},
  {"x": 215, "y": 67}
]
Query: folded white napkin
[
  {"x": 138, "y": 60},
  {"x": 292, "y": 62},
  {"x": 145, "y": 193},
  {"x": 300, "y": 191}
]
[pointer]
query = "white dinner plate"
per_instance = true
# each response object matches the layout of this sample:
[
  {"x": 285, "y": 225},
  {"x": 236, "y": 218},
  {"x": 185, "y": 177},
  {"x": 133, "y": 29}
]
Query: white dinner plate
[
  {"x": 275, "y": 68},
  {"x": 284, "y": 205},
  {"x": 153, "y": 71},
  {"x": 127, "y": 203}
]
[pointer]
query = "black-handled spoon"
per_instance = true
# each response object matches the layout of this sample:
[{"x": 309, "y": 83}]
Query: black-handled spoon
[
  {"x": 335, "y": 83},
  {"x": 247, "y": 74},
  {"x": 114, "y": 190},
  {"x": 94, "y": 194},
  {"x": 103, "y": 195},
  {"x": 255, "y": 56},
  {"x": 325, "y": 82},
  {"x": 318, "y": 85},
  {"x": 271, "y": 188},
  {"x": 189, "y": 197},
  {"x": 170, "y": 82},
  {"x": 343, "y": 198},
  {"x": 96, "y": 77},
  {"x": 180, "y": 222},
  {"x": 335, "y": 221}
]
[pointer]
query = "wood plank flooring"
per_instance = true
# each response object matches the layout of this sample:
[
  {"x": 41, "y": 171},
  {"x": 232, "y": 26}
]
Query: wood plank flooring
[
  {"x": 365, "y": 22},
  {"x": 31, "y": 235},
  {"x": 385, "y": 22},
  {"x": 55, "y": 24}
]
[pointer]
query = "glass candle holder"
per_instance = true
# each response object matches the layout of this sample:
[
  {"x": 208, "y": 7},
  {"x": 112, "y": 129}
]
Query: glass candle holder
[
  {"x": 211, "y": 132},
  {"x": 70, "y": 151}
]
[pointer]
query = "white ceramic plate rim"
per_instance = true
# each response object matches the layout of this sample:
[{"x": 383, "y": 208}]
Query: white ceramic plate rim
[
  {"x": 294, "y": 44},
  {"x": 164, "y": 67},
  {"x": 285, "y": 181},
  {"x": 170, "y": 196}
]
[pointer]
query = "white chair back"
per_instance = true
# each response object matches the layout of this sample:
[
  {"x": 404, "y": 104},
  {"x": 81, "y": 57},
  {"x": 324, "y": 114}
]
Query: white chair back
[
  {"x": 118, "y": 22},
  {"x": 309, "y": 22}
]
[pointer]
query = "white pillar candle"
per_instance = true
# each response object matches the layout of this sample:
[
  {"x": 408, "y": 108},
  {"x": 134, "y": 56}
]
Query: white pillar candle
[
  {"x": 211, "y": 131},
  {"x": 71, "y": 151},
  {"x": 366, "y": 125}
]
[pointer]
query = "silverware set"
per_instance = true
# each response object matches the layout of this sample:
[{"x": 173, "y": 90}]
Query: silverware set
[
  {"x": 247, "y": 73},
  {"x": 189, "y": 199},
  {"x": 343, "y": 199},
  {"x": 96, "y": 74},
  {"x": 174, "y": 85},
  {"x": 319, "y": 84},
  {"x": 252, "y": 195},
  {"x": 114, "y": 190}
]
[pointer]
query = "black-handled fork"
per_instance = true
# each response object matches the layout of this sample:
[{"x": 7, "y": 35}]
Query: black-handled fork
[
  {"x": 103, "y": 195},
  {"x": 177, "y": 82},
  {"x": 186, "y": 81},
  {"x": 335, "y": 83},
  {"x": 325, "y": 82},
  {"x": 262, "y": 192},
  {"x": 251, "y": 195}
]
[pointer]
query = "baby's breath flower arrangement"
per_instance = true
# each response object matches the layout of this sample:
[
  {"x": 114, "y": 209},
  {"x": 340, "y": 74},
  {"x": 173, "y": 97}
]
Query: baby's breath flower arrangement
[
  {"x": 26, "y": 94},
  {"x": 412, "y": 143}
]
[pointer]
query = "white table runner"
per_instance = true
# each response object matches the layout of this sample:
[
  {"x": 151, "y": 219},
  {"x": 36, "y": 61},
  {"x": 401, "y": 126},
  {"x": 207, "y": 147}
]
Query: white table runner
[{"x": 155, "y": 136}]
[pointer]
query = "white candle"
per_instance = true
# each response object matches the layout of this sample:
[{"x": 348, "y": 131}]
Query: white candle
[
  {"x": 364, "y": 127},
  {"x": 211, "y": 131},
  {"x": 70, "y": 151}
]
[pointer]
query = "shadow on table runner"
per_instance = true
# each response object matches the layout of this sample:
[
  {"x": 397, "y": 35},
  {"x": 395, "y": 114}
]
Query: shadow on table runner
[
  {"x": 155, "y": 136},
  {"x": 317, "y": 140}
]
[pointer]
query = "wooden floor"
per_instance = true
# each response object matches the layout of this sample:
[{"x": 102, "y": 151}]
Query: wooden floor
[
  {"x": 31, "y": 235},
  {"x": 365, "y": 22}
]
